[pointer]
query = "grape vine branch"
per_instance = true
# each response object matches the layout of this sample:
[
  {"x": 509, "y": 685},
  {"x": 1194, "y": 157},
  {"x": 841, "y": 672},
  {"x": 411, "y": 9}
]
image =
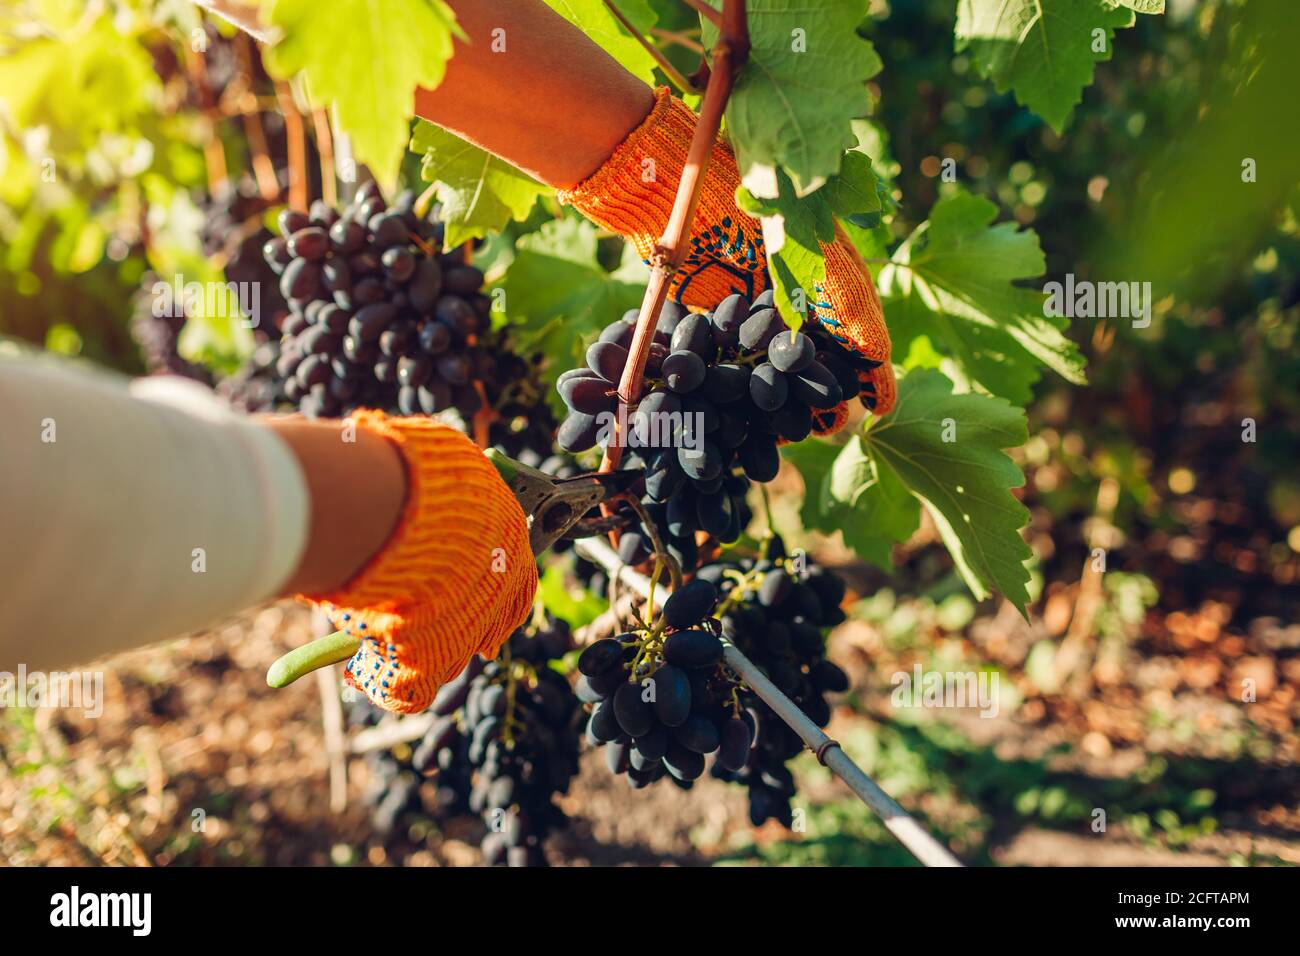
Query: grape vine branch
[{"x": 729, "y": 55}]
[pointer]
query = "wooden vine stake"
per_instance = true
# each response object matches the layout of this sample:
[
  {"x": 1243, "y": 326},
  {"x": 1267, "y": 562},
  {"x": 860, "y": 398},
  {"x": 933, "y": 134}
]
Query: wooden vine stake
[
  {"x": 268, "y": 184},
  {"x": 325, "y": 150},
  {"x": 214, "y": 154},
  {"x": 296, "y": 137}
]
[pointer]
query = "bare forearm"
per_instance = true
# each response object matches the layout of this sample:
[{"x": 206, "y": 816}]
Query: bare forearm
[
  {"x": 533, "y": 89},
  {"x": 356, "y": 483}
]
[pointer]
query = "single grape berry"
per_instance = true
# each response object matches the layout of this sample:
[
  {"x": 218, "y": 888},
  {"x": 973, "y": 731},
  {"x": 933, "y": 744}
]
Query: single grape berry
[
  {"x": 690, "y": 603},
  {"x": 791, "y": 351},
  {"x": 684, "y": 371},
  {"x": 816, "y": 386},
  {"x": 607, "y": 360},
  {"x": 760, "y": 328},
  {"x": 692, "y": 335},
  {"x": 768, "y": 387},
  {"x": 309, "y": 243}
]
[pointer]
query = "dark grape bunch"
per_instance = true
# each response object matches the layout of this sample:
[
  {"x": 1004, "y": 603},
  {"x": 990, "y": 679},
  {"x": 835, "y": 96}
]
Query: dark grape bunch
[
  {"x": 523, "y": 426},
  {"x": 505, "y": 740},
  {"x": 740, "y": 373},
  {"x": 379, "y": 317},
  {"x": 255, "y": 387},
  {"x": 395, "y": 792},
  {"x": 663, "y": 702},
  {"x": 660, "y": 702},
  {"x": 778, "y": 617},
  {"x": 232, "y": 231},
  {"x": 158, "y": 336}
]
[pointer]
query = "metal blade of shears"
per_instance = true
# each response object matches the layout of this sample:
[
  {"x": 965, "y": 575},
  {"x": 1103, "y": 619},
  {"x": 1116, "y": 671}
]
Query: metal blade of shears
[{"x": 557, "y": 507}]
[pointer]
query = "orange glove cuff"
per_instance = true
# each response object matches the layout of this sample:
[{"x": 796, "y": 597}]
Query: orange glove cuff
[
  {"x": 848, "y": 308},
  {"x": 456, "y": 577},
  {"x": 632, "y": 194}
]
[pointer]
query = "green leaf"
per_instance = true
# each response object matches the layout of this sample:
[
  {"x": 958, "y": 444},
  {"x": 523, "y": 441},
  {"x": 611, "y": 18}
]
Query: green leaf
[
  {"x": 593, "y": 18},
  {"x": 558, "y": 296},
  {"x": 112, "y": 74},
  {"x": 795, "y": 99},
  {"x": 946, "y": 449},
  {"x": 853, "y": 193},
  {"x": 479, "y": 193},
  {"x": 795, "y": 227},
  {"x": 846, "y": 491},
  {"x": 1143, "y": 6},
  {"x": 951, "y": 281},
  {"x": 573, "y": 604},
  {"x": 793, "y": 231},
  {"x": 221, "y": 339},
  {"x": 971, "y": 354},
  {"x": 670, "y": 15},
  {"x": 1043, "y": 50},
  {"x": 366, "y": 57},
  {"x": 850, "y": 473},
  {"x": 1193, "y": 219}
]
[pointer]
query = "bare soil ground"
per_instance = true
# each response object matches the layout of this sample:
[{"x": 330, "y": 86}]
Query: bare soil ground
[{"x": 194, "y": 761}]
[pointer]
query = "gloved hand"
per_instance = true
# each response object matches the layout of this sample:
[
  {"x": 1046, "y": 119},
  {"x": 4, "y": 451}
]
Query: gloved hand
[
  {"x": 632, "y": 194},
  {"x": 456, "y": 577}
]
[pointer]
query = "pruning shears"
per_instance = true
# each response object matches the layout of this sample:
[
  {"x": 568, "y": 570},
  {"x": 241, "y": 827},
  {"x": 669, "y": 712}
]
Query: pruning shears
[{"x": 555, "y": 508}]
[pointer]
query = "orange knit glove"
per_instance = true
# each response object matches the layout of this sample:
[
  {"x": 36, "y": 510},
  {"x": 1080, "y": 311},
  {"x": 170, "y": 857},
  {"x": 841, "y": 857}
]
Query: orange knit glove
[
  {"x": 456, "y": 577},
  {"x": 632, "y": 194}
]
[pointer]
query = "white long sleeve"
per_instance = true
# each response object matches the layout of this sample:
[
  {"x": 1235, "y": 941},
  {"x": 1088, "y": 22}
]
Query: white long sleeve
[{"x": 132, "y": 513}]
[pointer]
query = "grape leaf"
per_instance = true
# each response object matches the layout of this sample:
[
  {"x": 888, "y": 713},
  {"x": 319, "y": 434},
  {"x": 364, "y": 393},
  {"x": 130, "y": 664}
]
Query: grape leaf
[
  {"x": 593, "y": 18},
  {"x": 558, "y": 297},
  {"x": 973, "y": 353},
  {"x": 795, "y": 227},
  {"x": 75, "y": 152},
  {"x": 793, "y": 231},
  {"x": 114, "y": 76},
  {"x": 846, "y": 491},
  {"x": 946, "y": 448},
  {"x": 565, "y": 600},
  {"x": 795, "y": 99},
  {"x": 1042, "y": 50},
  {"x": 479, "y": 193},
  {"x": 366, "y": 57},
  {"x": 853, "y": 193},
  {"x": 1141, "y": 6},
  {"x": 951, "y": 280},
  {"x": 670, "y": 15}
]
